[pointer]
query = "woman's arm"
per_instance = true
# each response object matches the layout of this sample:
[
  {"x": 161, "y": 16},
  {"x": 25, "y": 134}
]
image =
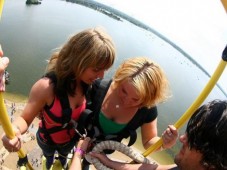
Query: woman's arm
[
  {"x": 79, "y": 152},
  {"x": 40, "y": 94},
  {"x": 126, "y": 166},
  {"x": 149, "y": 133}
]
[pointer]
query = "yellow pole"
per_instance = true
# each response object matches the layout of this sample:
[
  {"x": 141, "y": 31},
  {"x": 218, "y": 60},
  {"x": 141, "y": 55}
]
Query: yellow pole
[
  {"x": 6, "y": 125},
  {"x": 4, "y": 119},
  {"x": 224, "y": 3},
  {"x": 214, "y": 78},
  {"x": 1, "y": 7}
]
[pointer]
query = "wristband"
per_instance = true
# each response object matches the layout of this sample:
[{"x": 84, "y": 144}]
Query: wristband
[{"x": 80, "y": 151}]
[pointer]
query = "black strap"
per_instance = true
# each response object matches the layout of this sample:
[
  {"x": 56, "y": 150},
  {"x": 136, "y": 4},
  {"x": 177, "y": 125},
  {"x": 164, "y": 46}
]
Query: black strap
[
  {"x": 54, "y": 129},
  {"x": 89, "y": 119},
  {"x": 45, "y": 132},
  {"x": 94, "y": 99},
  {"x": 100, "y": 89},
  {"x": 66, "y": 113},
  {"x": 22, "y": 161},
  {"x": 129, "y": 133},
  {"x": 130, "y": 129},
  {"x": 66, "y": 109},
  {"x": 52, "y": 115},
  {"x": 84, "y": 120}
]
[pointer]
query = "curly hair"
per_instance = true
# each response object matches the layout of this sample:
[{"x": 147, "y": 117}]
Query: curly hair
[{"x": 207, "y": 133}]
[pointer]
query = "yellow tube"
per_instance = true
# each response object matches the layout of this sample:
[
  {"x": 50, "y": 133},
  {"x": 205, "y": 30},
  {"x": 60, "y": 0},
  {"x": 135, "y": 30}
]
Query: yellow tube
[
  {"x": 6, "y": 125},
  {"x": 1, "y": 7},
  {"x": 213, "y": 80},
  {"x": 224, "y": 3},
  {"x": 211, "y": 83},
  {"x": 23, "y": 168},
  {"x": 4, "y": 118}
]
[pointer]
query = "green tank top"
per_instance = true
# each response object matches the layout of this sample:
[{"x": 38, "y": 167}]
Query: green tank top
[{"x": 108, "y": 126}]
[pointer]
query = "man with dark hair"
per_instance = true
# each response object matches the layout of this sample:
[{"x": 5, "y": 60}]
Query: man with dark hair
[{"x": 204, "y": 144}]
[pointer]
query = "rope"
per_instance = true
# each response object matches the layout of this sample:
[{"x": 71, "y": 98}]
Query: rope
[{"x": 113, "y": 145}]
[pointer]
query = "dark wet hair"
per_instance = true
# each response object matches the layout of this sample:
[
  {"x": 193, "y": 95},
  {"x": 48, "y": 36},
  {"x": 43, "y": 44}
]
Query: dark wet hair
[{"x": 207, "y": 133}]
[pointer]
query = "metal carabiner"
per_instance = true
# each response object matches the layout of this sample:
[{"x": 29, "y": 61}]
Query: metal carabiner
[{"x": 83, "y": 136}]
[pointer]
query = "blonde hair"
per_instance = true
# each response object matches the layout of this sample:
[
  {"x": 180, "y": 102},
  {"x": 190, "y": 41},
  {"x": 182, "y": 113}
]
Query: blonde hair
[
  {"x": 89, "y": 48},
  {"x": 147, "y": 77}
]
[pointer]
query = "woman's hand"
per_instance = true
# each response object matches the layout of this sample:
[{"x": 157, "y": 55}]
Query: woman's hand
[
  {"x": 83, "y": 144},
  {"x": 4, "y": 61},
  {"x": 169, "y": 137},
  {"x": 80, "y": 150},
  {"x": 12, "y": 145},
  {"x": 102, "y": 158},
  {"x": 82, "y": 147}
]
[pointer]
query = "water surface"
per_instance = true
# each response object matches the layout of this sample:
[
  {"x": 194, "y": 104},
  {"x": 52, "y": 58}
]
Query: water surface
[{"x": 28, "y": 35}]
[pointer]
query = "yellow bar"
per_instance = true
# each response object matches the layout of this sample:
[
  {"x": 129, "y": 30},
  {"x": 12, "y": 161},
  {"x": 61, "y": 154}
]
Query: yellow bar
[
  {"x": 213, "y": 80},
  {"x": 4, "y": 118},
  {"x": 224, "y": 3},
  {"x": 211, "y": 83},
  {"x": 1, "y": 7},
  {"x": 6, "y": 125}
]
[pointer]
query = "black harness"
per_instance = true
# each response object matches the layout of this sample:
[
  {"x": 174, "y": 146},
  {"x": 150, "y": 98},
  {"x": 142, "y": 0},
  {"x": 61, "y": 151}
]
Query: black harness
[
  {"x": 64, "y": 120},
  {"x": 90, "y": 118}
]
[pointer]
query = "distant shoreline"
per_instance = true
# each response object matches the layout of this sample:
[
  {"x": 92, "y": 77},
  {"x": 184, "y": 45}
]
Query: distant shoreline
[{"x": 116, "y": 14}]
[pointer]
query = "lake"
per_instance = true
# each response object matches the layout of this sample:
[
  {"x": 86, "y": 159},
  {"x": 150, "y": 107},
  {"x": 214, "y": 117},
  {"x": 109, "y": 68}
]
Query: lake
[{"x": 29, "y": 33}]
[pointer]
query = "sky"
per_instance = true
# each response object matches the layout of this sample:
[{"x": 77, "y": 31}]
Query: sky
[{"x": 199, "y": 27}]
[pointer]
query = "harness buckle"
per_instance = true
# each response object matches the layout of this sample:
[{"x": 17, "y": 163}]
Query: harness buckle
[
  {"x": 83, "y": 136},
  {"x": 64, "y": 125}
]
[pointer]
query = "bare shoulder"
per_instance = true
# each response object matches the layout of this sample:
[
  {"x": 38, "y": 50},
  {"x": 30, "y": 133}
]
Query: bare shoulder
[
  {"x": 43, "y": 84},
  {"x": 43, "y": 88}
]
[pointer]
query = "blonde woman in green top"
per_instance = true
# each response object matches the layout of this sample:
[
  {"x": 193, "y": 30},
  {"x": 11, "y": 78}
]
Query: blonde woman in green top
[{"x": 129, "y": 101}]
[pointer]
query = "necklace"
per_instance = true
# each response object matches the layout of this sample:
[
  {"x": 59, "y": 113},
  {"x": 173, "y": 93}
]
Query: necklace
[{"x": 117, "y": 106}]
